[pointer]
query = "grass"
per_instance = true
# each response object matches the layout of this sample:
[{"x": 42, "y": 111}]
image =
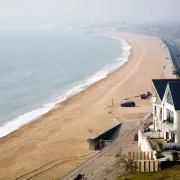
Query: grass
[{"x": 168, "y": 174}]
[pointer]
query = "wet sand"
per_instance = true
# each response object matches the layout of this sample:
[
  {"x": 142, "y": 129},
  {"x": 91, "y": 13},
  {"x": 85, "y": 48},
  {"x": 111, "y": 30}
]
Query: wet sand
[{"x": 56, "y": 143}]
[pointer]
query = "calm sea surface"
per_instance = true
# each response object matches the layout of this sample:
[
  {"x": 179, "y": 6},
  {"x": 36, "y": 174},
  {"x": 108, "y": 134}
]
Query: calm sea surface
[{"x": 39, "y": 68}]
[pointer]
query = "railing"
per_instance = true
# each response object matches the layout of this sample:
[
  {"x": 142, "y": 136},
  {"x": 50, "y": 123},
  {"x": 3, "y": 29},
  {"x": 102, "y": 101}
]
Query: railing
[
  {"x": 155, "y": 134},
  {"x": 165, "y": 126},
  {"x": 168, "y": 126}
]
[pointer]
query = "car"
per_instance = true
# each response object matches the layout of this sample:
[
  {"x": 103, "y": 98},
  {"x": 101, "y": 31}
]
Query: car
[{"x": 128, "y": 104}]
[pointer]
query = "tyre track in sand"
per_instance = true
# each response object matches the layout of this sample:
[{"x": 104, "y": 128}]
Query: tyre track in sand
[{"x": 51, "y": 165}]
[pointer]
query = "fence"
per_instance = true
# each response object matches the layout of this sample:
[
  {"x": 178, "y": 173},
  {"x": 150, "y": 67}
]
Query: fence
[
  {"x": 142, "y": 166},
  {"x": 142, "y": 162},
  {"x": 141, "y": 155}
]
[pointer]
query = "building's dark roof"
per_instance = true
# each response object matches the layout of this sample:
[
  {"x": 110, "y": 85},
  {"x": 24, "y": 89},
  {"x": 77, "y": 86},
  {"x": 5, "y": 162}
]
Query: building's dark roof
[
  {"x": 175, "y": 93},
  {"x": 161, "y": 84}
]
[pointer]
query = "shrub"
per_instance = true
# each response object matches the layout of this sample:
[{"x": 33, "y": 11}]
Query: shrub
[
  {"x": 150, "y": 123},
  {"x": 158, "y": 154},
  {"x": 160, "y": 145},
  {"x": 175, "y": 71},
  {"x": 174, "y": 155}
]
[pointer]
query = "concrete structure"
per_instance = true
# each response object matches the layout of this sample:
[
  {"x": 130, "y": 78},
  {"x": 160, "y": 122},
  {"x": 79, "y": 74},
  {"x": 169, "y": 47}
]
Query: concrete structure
[
  {"x": 145, "y": 145},
  {"x": 104, "y": 138},
  {"x": 166, "y": 108}
]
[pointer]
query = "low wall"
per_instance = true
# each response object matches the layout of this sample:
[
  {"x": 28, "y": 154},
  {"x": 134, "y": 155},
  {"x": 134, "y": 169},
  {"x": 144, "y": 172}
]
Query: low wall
[
  {"x": 144, "y": 144},
  {"x": 105, "y": 138},
  {"x": 168, "y": 164},
  {"x": 155, "y": 135}
]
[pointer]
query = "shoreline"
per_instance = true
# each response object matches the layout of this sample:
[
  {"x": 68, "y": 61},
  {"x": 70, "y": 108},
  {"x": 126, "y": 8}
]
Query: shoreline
[
  {"x": 64, "y": 97},
  {"x": 62, "y": 133}
]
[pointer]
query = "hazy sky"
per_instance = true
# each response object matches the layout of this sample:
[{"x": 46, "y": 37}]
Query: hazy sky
[{"x": 15, "y": 12}]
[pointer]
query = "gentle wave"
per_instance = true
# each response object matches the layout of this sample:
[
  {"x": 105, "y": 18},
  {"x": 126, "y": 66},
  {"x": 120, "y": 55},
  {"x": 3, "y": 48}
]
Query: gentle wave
[{"x": 26, "y": 118}]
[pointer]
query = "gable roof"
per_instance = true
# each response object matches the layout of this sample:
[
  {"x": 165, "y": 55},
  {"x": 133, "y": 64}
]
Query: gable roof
[
  {"x": 161, "y": 84},
  {"x": 175, "y": 93}
]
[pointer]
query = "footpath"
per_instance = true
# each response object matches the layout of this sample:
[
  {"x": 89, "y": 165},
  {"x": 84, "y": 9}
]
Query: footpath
[{"x": 104, "y": 155}]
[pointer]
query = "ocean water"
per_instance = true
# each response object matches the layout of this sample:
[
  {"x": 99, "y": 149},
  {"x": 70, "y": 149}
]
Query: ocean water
[{"x": 40, "y": 68}]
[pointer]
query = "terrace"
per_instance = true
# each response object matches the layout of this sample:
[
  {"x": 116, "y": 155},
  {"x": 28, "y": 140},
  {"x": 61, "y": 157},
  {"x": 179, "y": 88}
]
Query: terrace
[
  {"x": 154, "y": 141},
  {"x": 166, "y": 125}
]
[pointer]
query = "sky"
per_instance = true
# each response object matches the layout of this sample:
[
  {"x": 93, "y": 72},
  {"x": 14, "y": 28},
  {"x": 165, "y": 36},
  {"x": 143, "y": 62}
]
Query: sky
[{"x": 29, "y": 12}]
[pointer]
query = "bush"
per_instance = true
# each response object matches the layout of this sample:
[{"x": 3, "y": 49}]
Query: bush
[
  {"x": 174, "y": 155},
  {"x": 175, "y": 71},
  {"x": 150, "y": 123},
  {"x": 158, "y": 154},
  {"x": 160, "y": 145}
]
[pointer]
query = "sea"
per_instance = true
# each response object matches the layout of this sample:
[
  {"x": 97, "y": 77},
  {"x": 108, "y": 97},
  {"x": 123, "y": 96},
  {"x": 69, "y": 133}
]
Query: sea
[{"x": 40, "y": 68}]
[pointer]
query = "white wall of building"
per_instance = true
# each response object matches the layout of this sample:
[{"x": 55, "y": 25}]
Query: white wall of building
[
  {"x": 158, "y": 120},
  {"x": 177, "y": 137}
]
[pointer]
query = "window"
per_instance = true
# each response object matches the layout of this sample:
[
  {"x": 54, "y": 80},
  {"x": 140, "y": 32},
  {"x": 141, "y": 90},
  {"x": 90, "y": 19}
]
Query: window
[
  {"x": 169, "y": 98},
  {"x": 170, "y": 116},
  {"x": 160, "y": 114}
]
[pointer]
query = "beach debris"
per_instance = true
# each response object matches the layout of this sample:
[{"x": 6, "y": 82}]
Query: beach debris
[
  {"x": 107, "y": 107},
  {"x": 126, "y": 99},
  {"x": 137, "y": 96},
  {"x": 132, "y": 97},
  {"x": 145, "y": 96},
  {"x": 116, "y": 119}
]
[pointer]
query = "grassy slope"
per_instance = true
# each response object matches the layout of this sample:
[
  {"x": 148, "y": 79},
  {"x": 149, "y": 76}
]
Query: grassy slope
[{"x": 168, "y": 174}]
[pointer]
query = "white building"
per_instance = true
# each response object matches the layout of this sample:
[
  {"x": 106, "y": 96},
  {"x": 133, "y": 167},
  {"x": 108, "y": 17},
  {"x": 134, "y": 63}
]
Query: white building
[{"x": 166, "y": 108}]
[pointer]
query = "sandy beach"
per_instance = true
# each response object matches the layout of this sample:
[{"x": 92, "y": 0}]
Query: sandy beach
[{"x": 56, "y": 143}]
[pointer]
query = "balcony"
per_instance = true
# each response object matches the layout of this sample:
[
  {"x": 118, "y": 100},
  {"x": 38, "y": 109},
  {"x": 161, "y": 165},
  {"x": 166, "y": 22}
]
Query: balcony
[{"x": 166, "y": 126}]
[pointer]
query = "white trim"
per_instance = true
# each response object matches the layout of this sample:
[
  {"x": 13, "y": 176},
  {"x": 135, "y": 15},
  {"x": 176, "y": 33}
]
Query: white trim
[
  {"x": 164, "y": 100},
  {"x": 156, "y": 91}
]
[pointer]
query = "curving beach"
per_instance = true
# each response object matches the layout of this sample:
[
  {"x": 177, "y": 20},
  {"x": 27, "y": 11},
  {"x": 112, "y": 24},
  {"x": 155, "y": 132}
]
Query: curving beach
[{"x": 56, "y": 143}]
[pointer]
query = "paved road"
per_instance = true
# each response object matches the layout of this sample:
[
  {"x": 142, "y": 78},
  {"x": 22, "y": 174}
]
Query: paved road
[
  {"x": 175, "y": 55},
  {"x": 103, "y": 156}
]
